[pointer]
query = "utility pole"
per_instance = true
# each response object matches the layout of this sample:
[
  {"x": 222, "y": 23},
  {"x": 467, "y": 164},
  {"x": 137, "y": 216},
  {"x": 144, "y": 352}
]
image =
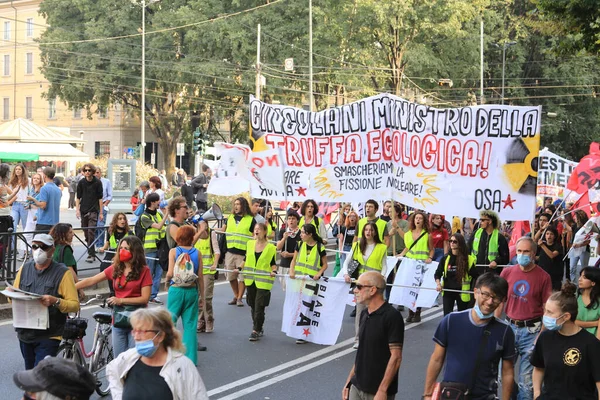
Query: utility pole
[
  {"x": 143, "y": 117},
  {"x": 505, "y": 46},
  {"x": 258, "y": 64},
  {"x": 310, "y": 55},
  {"x": 481, "y": 100}
]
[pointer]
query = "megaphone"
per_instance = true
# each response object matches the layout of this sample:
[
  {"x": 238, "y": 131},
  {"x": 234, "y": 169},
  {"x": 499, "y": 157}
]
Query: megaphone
[
  {"x": 260, "y": 219},
  {"x": 213, "y": 213}
]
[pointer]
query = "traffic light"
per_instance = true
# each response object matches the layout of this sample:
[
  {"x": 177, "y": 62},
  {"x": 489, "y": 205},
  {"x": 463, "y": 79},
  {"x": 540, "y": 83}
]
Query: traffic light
[{"x": 197, "y": 144}]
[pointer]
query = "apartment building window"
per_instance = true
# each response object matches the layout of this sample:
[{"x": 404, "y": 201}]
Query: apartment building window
[
  {"x": 6, "y": 108},
  {"x": 6, "y": 66},
  {"x": 6, "y": 30},
  {"x": 76, "y": 112},
  {"x": 29, "y": 27},
  {"x": 29, "y": 63},
  {"x": 102, "y": 149},
  {"x": 102, "y": 112},
  {"x": 29, "y": 107},
  {"x": 52, "y": 109}
]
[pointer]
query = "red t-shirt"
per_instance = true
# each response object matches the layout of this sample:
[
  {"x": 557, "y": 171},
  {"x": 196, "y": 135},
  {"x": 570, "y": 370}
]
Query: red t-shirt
[
  {"x": 527, "y": 292},
  {"x": 132, "y": 288},
  {"x": 439, "y": 236}
]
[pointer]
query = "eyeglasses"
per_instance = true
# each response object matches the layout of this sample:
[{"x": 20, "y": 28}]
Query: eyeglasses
[
  {"x": 360, "y": 286},
  {"x": 487, "y": 296},
  {"x": 87, "y": 170},
  {"x": 40, "y": 246},
  {"x": 135, "y": 331},
  {"x": 454, "y": 241}
]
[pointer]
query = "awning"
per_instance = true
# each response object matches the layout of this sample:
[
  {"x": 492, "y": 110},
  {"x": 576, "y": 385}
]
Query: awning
[
  {"x": 18, "y": 157},
  {"x": 43, "y": 151}
]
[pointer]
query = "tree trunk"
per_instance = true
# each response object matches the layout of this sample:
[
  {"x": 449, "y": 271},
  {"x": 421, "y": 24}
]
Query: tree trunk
[{"x": 169, "y": 151}]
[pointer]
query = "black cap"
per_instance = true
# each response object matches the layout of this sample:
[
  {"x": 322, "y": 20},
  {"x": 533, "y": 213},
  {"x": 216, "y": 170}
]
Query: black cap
[{"x": 58, "y": 376}]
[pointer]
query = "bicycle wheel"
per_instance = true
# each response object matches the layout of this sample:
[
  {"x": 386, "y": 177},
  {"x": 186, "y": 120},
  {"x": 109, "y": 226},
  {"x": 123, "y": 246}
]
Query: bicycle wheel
[
  {"x": 103, "y": 355},
  {"x": 70, "y": 351}
]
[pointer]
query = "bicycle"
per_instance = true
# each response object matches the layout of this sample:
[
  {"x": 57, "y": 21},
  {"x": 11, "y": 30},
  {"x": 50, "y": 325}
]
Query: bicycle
[{"x": 73, "y": 348}]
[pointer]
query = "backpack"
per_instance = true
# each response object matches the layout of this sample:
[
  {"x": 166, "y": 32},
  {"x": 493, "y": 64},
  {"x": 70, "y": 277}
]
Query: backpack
[
  {"x": 183, "y": 272},
  {"x": 138, "y": 229}
]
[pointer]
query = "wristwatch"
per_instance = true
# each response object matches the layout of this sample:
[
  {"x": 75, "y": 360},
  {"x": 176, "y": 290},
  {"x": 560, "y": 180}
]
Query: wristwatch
[{"x": 57, "y": 303}]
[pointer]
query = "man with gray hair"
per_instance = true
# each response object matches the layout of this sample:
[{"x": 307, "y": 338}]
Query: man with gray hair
[
  {"x": 529, "y": 286},
  {"x": 381, "y": 336}
]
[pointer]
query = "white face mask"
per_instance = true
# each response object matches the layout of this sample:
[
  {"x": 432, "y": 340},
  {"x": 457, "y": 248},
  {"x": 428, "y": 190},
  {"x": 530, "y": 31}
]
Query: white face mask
[{"x": 40, "y": 256}]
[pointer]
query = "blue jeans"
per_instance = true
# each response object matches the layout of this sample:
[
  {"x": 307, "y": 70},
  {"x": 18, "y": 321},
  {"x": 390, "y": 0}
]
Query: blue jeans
[
  {"x": 122, "y": 340},
  {"x": 524, "y": 343},
  {"x": 19, "y": 214},
  {"x": 575, "y": 268},
  {"x": 100, "y": 233},
  {"x": 438, "y": 254},
  {"x": 156, "y": 272},
  {"x": 35, "y": 352}
]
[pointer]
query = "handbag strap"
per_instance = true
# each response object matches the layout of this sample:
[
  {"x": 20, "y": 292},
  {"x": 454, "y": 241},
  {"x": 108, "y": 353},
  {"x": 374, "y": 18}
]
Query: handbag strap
[
  {"x": 482, "y": 345},
  {"x": 416, "y": 241}
]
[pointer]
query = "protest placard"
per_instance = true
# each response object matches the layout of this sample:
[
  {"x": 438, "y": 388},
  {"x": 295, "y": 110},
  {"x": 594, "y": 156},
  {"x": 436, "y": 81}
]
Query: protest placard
[{"x": 553, "y": 174}]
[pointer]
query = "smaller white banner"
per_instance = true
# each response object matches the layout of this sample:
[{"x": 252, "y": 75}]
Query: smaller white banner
[{"x": 410, "y": 277}]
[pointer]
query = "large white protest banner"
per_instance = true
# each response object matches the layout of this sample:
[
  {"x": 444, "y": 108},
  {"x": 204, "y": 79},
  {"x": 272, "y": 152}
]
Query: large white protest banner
[
  {"x": 454, "y": 161},
  {"x": 554, "y": 172},
  {"x": 313, "y": 310},
  {"x": 411, "y": 275}
]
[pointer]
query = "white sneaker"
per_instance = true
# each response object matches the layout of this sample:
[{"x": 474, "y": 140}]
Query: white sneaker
[{"x": 355, "y": 347}]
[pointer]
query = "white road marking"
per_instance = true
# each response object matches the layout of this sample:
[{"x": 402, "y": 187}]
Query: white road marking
[{"x": 302, "y": 369}]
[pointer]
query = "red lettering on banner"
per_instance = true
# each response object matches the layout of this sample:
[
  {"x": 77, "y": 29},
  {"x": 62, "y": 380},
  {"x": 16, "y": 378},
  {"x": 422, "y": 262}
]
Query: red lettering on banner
[
  {"x": 374, "y": 144},
  {"x": 453, "y": 156},
  {"x": 337, "y": 148},
  {"x": 353, "y": 149}
]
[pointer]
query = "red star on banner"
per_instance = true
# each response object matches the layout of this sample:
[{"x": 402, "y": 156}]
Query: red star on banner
[
  {"x": 306, "y": 332},
  {"x": 508, "y": 202},
  {"x": 301, "y": 191}
]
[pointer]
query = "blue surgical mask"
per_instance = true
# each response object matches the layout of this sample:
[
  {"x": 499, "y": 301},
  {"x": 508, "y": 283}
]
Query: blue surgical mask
[
  {"x": 550, "y": 323},
  {"x": 480, "y": 313},
  {"x": 523, "y": 259},
  {"x": 147, "y": 348}
]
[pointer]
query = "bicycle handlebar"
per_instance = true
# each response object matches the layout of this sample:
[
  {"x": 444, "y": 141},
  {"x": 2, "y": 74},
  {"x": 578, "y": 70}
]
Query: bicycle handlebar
[{"x": 93, "y": 299}]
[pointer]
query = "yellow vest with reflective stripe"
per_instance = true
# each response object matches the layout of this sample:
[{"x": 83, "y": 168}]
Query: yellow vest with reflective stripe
[
  {"x": 308, "y": 263},
  {"x": 313, "y": 223},
  {"x": 112, "y": 241},
  {"x": 492, "y": 244},
  {"x": 204, "y": 246},
  {"x": 381, "y": 225},
  {"x": 262, "y": 265},
  {"x": 152, "y": 234},
  {"x": 466, "y": 282},
  {"x": 420, "y": 251},
  {"x": 373, "y": 263},
  {"x": 241, "y": 228}
]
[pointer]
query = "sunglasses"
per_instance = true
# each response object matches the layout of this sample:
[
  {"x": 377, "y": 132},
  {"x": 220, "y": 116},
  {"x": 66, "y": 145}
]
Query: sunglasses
[
  {"x": 40, "y": 246},
  {"x": 453, "y": 241},
  {"x": 360, "y": 286},
  {"x": 87, "y": 170}
]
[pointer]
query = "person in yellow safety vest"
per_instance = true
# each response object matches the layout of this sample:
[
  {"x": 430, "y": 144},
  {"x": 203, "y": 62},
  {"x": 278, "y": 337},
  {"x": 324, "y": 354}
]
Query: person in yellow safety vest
[
  {"x": 259, "y": 274},
  {"x": 118, "y": 229},
  {"x": 153, "y": 221},
  {"x": 372, "y": 256},
  {"x": 309, "y": 211},
  {"x": 455, "y": 272},
  {"x": 238, "y": 228},
  {"x": 371, "y": 207},
  {"x": 271, "y": 224},
  {"x": 209, "y": 248},
  {"x": 419, "y": 246},
  {"x": 310, "y": 257},
  {"x": 488, "y": 245}
]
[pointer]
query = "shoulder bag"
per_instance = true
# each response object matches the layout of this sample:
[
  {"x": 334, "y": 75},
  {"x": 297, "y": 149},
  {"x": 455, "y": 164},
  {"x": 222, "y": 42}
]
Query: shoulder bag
[{"x": 354, "y": 265}]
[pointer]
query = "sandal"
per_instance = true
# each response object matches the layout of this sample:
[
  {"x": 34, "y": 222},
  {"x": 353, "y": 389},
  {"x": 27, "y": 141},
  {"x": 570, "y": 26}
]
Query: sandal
[{"x": 233, "y": 302}]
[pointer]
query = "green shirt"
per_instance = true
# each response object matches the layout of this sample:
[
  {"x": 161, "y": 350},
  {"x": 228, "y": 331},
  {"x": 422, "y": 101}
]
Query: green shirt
[
  {"x": 399, "y": 240},
  {"x": 587, "y": 314},
  {"x": 68, "y": 258}
]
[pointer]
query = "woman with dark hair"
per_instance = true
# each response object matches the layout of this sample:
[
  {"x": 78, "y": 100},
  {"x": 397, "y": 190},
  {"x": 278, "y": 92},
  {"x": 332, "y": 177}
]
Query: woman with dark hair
[
  {"x": 310, "y": 257},
  {"x": 157, "y": 367},
  {"x": 183, "y": 295},
  {"x": 238, "y": 228},
  {"x": 34, "y": 192},
  {"x": 117, "y": 230},
  {"x": 19, "y": 184},
  {"x": 439, "y": 236},
  {"x": 455, "y": 272},
  {"x": 580, "y": 252},
  {"x": 132, "y": 282},
  {"x": 63, "y": 253},
  {"x": 371, "y": 254},
  {"x": 549, "y": 256},
  {"x": 260, "y": 258},
  {"x": 588, "y": 302},
  {"x": 6, "y": 219},
  {"x": 156, "y": 187},
  {"x": 419, "y": 246},
  {"x": 566, "y": 357},
  {"x": 309, "y": 211}
]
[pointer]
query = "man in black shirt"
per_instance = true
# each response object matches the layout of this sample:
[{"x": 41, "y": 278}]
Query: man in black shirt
[
  {"x": 381, "y": 335},
  {"x": 488, "y": 244},
  {"x": 88, "y": 206}
]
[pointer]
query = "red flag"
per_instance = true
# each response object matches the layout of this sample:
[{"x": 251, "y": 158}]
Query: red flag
[
  {"x": 587, "y": 174},
  {"x": 583, "y": 203},
  {"x": 520, "y": 228}
]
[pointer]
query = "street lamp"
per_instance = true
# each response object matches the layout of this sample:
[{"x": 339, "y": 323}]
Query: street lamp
[
  {"x": 504, "y": 47},
  {"x": 143, "y": 114}
]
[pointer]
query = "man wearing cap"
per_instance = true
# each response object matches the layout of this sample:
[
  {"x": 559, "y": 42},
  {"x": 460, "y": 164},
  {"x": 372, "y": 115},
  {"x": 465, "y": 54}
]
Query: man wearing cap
[
  {"x": 58, "y": 377},
  {"x": 55, "y": 283}
]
